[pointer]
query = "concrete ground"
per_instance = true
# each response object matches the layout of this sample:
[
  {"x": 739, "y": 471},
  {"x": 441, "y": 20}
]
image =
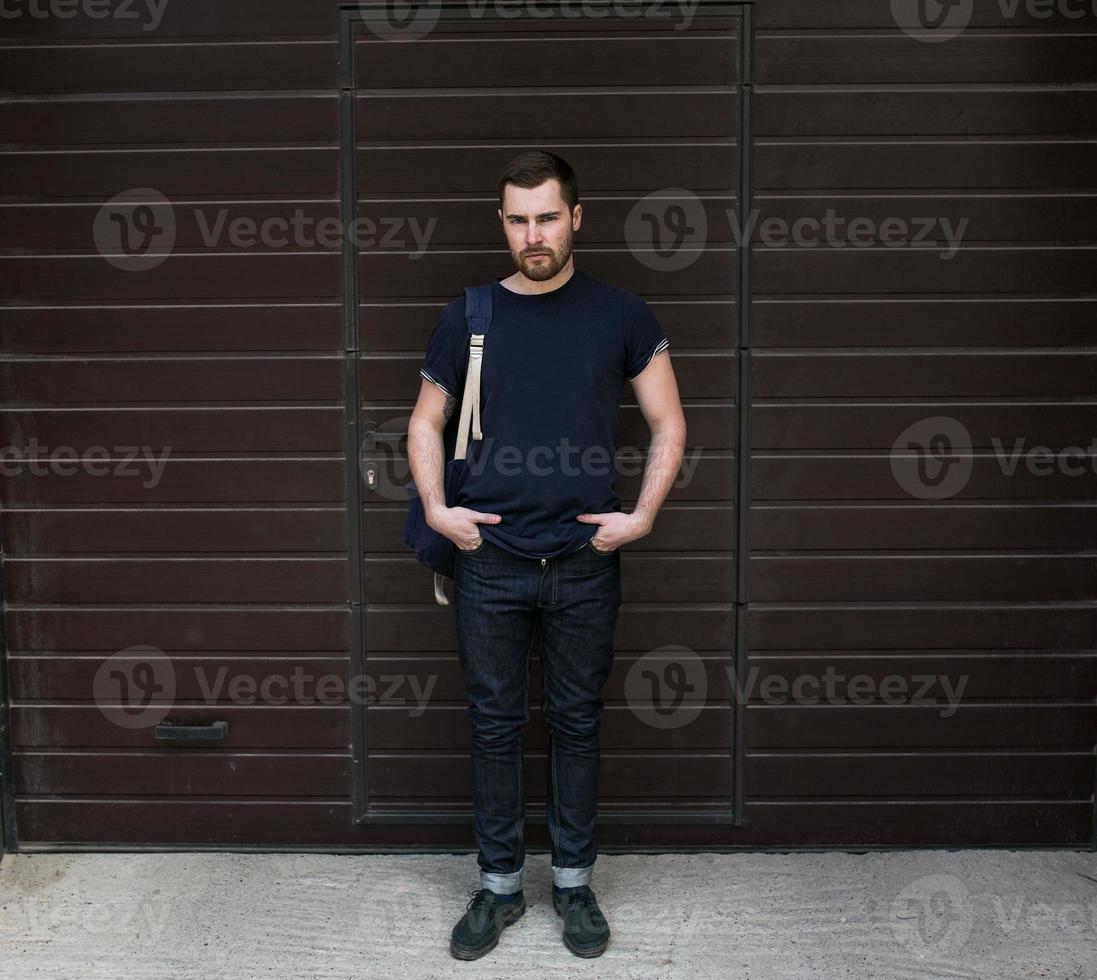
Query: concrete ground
[{"x": 902, "y": 914}]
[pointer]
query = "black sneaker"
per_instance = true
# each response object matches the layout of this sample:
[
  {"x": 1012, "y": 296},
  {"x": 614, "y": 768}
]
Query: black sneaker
[
  {"x": 585, "y": 930},
  {"x": 486, "y": 915}
]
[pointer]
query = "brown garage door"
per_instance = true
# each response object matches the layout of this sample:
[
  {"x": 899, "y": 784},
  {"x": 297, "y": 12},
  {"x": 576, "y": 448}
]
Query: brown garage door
[{"x": 270, "y": 376}]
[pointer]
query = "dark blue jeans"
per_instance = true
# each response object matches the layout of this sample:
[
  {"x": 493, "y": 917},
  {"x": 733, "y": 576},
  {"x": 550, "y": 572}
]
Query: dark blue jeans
[{"x": 500, "y": 599}]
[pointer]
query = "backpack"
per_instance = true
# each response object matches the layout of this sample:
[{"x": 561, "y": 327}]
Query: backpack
[{"x": 431, "y": 548}]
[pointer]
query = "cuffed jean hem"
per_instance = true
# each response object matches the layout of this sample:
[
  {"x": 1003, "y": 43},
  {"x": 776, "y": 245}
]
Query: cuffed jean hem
[
  {"x": 501, "y": 884},
  {"x": 570, "y": 877}
]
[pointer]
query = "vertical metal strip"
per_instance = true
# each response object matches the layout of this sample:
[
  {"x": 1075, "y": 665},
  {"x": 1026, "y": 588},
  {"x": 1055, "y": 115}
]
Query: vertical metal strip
[
  {"x": 7, "y": 770},
  {"x": 743, "y": 400},
  {"x": 352, "y": 454}
]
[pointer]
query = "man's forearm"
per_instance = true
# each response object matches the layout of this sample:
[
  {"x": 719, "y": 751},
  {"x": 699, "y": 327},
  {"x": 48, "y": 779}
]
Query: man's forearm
[
  {"x": 664, "y": 460},
  {"x": 426, "y": 458}
]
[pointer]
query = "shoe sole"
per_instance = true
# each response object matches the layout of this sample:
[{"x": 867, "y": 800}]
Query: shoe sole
[
  {"x": 586, "y": 952},
  {"x": 463, "y": 953}
]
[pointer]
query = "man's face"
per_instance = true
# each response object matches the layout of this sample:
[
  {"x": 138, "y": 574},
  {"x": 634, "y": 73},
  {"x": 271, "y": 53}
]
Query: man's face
[{"x": 539, "y": 228}]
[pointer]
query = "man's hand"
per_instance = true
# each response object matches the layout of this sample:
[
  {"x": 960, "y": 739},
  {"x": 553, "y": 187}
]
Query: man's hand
[
  {"x": 616, "y": 529},
  {"x": 459, "y": 524}
]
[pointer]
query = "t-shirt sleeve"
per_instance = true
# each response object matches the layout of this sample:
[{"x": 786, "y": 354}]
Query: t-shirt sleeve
[
  {"x": 644, "y": 337},
  {"x": 446, "y": 360}
]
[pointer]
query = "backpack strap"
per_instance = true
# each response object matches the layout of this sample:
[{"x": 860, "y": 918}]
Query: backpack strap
[{"x": 478, "y": 320}]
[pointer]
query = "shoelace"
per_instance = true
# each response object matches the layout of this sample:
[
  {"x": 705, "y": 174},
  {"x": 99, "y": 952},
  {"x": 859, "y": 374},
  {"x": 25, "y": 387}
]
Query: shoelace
[{"x": 478, "y": 897}]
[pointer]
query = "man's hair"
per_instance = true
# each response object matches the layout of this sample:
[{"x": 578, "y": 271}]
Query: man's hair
[{"x": 534, "y": 167}]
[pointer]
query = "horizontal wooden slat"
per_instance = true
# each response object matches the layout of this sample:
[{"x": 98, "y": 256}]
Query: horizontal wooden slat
[
  {"x": 882, "y": 626},
  {"x": 194, "y": 628},
  {"x": 1003, "y": 56},
  {"x": 231, "y": 529},
  {"x": 1005, "y": 432},
  {"x": 254, "y": 226},
  {"x": 178, "y": 327},
  {"x": 933, "y": 222},
  {"x": 702, "y": 165},
  {"x": 798, "y": 14},
  {"x": 922, "y": 322},
  {"x": 239, "y": 480},
  {"x": 227, "y": 274},
  {"x": 935, "y": 524},
  {"x": 1059, "y": 374},
  {"x": 254, "y": 171},
  {"x": 217, "y": 119},
  {"x": 175, "y": 580},
  {"x": 916, "y": 110},
  {"x": 111, "y": 379},
  {"x": 183, "y": 773},
  {"x": 471, "y": 61},
  {"x": 869, "y": 476},
  {"x": 922, "y": 576},
  {"x": 157, "y": 67},
  {"x": 534, "y": 114},
  {"x": 187, "y": 773},
  {"x": 923, "y": 164},
  {"x": 883, "y": 269},
  {"x": 961, "y": 823},
  {"x": 270, "y": 429}
]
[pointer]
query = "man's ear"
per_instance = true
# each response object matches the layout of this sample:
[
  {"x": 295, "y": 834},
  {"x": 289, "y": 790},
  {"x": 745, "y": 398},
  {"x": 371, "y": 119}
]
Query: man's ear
[{"x": 576, "y": 217}]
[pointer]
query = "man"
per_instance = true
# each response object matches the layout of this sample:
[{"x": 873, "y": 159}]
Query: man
[{"x": 539, "y": 529}]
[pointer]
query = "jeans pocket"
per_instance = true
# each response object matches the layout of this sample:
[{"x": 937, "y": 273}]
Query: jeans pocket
[
  {"x": 472, "y": 551},
  {"x": 601, "y": 554}
]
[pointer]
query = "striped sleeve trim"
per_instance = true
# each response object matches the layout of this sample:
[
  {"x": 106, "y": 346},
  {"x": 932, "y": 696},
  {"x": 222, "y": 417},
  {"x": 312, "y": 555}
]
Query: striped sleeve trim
[
  {"x": 662, "y": 345},
  {"x": 435, "y": 381}
]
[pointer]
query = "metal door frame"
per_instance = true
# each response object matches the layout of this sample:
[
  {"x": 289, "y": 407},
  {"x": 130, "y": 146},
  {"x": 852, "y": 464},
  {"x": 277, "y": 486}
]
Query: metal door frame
[{"x": 352, "y": 17}]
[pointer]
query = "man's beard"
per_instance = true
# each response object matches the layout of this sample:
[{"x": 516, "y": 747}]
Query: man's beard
[{"x": 540, "y": 271}]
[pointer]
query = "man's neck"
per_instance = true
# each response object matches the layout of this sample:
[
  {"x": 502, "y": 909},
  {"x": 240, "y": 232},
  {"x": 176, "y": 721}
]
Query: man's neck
[{"x": 519, "y": 283}]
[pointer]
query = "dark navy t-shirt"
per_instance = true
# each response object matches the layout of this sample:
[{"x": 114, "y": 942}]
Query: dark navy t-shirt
[{"x": 554, "y": 367}]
